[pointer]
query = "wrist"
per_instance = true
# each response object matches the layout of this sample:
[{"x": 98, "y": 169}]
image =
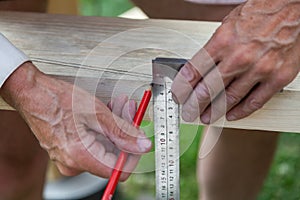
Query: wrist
[{"x": 21, "y": 80}]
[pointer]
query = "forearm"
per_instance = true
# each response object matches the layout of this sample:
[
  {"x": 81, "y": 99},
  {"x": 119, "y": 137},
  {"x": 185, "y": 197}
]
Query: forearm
[
  {"x": 13, "y": 77},
  {"x": 20, "y": 81}
]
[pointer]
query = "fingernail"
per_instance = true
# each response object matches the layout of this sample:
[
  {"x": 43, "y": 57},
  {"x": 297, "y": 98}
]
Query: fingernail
[
  {"x": 231, "y": 117},
  {"x": 205, "y": 119},
  {"x": 144, "y": 144}
]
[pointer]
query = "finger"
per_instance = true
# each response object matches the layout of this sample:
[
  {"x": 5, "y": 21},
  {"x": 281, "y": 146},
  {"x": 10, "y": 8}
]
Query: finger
[
  {"x": 130, "y": 165},
  {"x": 128, "y": 138},
  {"x": 235, "y": 92},
  {"x": 67, "y": 171},
  {"x": 215, "y": 110},
  {"x": 109, "y": 104},
  {"x": 204, "y": 93},
  {"x": 190, "y": 74},
  {"x": 118, "y": 103},
  {"x": 256, "y": 99},
  {"x": 107, "y": 144},
  {"x": 95, "y": 159},
  {"x": 129, "y": 110},
  {"x": 125, "y": 136},
  {"x": 106, "y": 158}
]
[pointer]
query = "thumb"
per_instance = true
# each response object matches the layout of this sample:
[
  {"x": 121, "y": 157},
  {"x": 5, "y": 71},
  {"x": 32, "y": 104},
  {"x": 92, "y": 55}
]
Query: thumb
[
  {"x": 120, "y": 132},
  {"x": 127, "y": 137}
]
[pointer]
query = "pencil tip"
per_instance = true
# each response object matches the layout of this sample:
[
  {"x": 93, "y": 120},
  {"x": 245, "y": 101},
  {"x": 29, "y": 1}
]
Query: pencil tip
[{"x": 151, "y": 85}]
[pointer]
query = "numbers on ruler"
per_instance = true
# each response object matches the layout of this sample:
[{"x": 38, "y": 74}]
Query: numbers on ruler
[
  {"x": 171, "y": 163},
  {"x": 166, "y": 125},
  {"x": 161, "y": 109}
]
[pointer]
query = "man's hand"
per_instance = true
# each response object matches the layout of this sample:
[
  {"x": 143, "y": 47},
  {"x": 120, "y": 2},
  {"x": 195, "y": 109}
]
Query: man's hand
[
  {"x": 82, "y": 138},
  {"x": 257, "y": 53}
]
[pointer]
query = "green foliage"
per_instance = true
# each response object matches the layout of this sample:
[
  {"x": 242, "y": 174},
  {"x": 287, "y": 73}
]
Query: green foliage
[
  {"x": 283, "y": 181},
  {"x": 139, "y": 186},
  {"x": 104, "y": 7}
]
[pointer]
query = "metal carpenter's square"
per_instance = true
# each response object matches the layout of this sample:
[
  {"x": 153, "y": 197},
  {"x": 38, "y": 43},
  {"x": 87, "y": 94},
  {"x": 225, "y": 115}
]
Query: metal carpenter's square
[{"x": 166, "y": 128}]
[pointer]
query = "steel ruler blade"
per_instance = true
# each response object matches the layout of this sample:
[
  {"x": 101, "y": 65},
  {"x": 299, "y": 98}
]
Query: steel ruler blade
[{"x": 166, "y": 128}]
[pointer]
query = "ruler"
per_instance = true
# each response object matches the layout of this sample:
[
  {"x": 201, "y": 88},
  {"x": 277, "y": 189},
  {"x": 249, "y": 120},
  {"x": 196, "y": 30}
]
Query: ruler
[{"x": 166, "y": 128}]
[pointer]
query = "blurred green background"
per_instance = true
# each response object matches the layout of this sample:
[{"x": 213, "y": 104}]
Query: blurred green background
[{"x": 283, "y": 181}]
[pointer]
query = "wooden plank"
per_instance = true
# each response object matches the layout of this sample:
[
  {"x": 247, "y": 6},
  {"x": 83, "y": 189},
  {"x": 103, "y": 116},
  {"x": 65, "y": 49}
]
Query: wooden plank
[{"x": 112, "y": 56}]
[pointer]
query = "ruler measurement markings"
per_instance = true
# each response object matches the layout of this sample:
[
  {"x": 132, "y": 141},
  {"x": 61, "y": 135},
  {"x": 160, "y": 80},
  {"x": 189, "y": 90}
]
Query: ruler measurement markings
[
  {"x": 173, "y": 143},
  {"x": 166, "y": 118},
  {"x": 161, "y": 142},
  {"x": 166, "y": 128}
]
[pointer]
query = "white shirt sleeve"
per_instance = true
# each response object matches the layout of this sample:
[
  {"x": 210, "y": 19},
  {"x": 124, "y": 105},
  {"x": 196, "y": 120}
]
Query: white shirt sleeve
[{"x": 10, "y": 59}]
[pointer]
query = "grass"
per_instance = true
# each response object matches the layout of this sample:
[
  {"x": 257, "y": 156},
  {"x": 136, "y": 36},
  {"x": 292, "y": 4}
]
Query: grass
[
  {"x": 283, "y": 181},
  {"x": 144, "y": 184}
]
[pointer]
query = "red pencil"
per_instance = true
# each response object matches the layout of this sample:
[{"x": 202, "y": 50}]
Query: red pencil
[{"x": 114, "y": 179}]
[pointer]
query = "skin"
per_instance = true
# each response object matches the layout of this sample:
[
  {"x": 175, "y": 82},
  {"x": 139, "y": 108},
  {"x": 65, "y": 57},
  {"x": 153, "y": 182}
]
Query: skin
[
  {"x": 204, "y": 15},
  {"x": 79, "y": 138},
  {"x": 239, "y": 162},
  {"x": 237, "y": 166},
  {"x": 89, "y": 140},
  {"x": 254, "y": 65}
]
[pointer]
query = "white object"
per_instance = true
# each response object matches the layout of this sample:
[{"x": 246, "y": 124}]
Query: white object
[
  {"x": 10, "y": 58},
  {"x": 76, "y": 187},
  {"x": 134, "y": 13}
]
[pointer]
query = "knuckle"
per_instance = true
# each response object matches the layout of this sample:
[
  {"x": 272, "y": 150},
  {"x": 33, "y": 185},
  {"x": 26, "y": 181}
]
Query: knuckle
[
  {"x": 232, "y": 98},
  {"x": 66, "y": 172},
  {"x": 222, "y": 36},
  {"x": 202, "y": 93},
  {"x": 242, "y": 57},
  {"x": 254, "y": 105},
  {"x": 70, "y": 163},
  {"x": 121, "y": 129},
  {"x": 124, "y": 176},
  {"x": 190, "y": 72},
  {"x": 283, "y": 78},
  {"x": 263, "y": 71}
]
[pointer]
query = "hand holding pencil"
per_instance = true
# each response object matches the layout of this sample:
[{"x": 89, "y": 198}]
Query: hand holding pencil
[{"x": 113, "y": 181}]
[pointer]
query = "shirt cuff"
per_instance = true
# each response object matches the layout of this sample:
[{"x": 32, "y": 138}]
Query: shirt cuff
[{"x": 10, "y": 59}]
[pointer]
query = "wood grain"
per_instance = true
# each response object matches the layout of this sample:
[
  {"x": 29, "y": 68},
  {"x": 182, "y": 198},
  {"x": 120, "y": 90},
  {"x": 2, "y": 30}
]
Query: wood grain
[{"x": 111, "y": 56}]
